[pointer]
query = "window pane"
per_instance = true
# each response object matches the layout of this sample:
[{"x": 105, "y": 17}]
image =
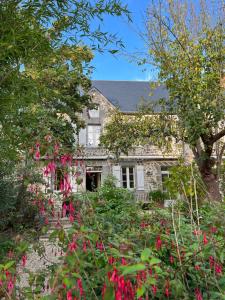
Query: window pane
[{"x": 93, "y": 135}]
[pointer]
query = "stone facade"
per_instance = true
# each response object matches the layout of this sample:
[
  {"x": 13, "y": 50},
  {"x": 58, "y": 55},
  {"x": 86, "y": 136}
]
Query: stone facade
[{"x": 140, "y": 170}]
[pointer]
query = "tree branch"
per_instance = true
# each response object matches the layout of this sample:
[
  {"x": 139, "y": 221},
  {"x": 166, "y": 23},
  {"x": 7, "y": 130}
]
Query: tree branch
[{"x": 218, "y": 136}]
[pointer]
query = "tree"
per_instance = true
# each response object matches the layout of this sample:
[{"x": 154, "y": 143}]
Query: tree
[
  {"x": 186, "y": 45},
  {"x": 45, "y": 53}
]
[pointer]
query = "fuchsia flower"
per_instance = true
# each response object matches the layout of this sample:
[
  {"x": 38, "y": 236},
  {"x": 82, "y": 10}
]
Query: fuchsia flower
[
  {"x": 72, "y": 246},
  {"x": 10, "y": 287},
  {"x": 167, "y": 292},
  {"x": 213, "y": 229},
  {"x": 171, "y": 259},
  {"x": 69, "y": 295},
  {"x": 218, "y": 268},
  {"x": 100, "y": 246},
  {"x": 111, "y": 260},
  {"x": 24, "y": 260},
  {"x": 80, "y": 287},
  {"x": 123, "y": 261},
  {"x": 154, "y": 289},
  {"x": 84, "y": 247},
  {"x": 197, "y": 267},
  {"x": 158, "y": 244},
  {"x": 205, "y": 241},
  {"x": 71, "y": 218},
  {"x": 198, "y": 294}
]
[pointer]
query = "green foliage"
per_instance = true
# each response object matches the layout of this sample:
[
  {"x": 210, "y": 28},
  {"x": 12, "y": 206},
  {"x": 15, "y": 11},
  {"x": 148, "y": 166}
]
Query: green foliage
[
  {"x": 165, "y": 249},
  {"x": 157, "y": 196}
]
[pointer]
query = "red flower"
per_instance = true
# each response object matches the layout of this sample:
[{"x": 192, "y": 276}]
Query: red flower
[
  {"x": 10, "y": 287},
  {"x": 69, "y": 295},
  {"x": 123, "y": 261},
  {"x": 213, "y": 229},
  {"x": 197, "y": 267},
  {"x": 218, "y": 269},
  {"x": 205, "y": 241},
  {"x": 80, "y": 287},
  {"x": 72, "y": 246},
  {"x": 158, "y": 243},
  {"x": 24, "y": 260},
  {"x": 154, "y": 289},
  {"x": 171, "y": 259},
  {"x": 198, "y": 294},
  {"x": 167, "y": 292}
]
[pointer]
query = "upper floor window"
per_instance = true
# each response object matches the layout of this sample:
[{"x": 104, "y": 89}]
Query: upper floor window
[
  {"x": 128, "y": 177},
  {"x": 93, "y": 135},
  {"x": 165, "y": 174},
  {"x": 94, "y": 113}
]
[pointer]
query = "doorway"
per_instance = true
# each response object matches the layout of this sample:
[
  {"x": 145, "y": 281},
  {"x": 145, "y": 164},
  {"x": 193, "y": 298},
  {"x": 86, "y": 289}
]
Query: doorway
[{"x": 93, "y": 181}]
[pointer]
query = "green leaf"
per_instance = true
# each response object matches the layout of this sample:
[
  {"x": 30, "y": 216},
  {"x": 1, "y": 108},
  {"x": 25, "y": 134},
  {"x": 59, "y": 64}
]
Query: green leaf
[
  {"x": 113, "y": 51},
  {"x": 9, "y": 264},
  {"x": 145, "y": 254},
  {"x": 132, "y": 269},
  {"x": 109, "y": 293},
  {"x": 154, "y": 261},
  {"x": 140, "y": 291}
]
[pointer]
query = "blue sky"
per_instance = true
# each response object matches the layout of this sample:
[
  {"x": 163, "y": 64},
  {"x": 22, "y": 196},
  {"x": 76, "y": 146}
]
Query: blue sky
[{"x": 119, "y": 67}]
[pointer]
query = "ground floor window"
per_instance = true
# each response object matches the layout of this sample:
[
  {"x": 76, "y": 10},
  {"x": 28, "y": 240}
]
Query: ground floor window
[{"x": 128, "y": 177}]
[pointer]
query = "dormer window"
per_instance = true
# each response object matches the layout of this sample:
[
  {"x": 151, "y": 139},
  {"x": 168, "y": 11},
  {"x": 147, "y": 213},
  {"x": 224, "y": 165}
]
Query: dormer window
[{"x": 94, "y": 113}]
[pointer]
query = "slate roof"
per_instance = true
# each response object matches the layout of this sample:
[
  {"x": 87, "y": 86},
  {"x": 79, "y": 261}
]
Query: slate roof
[{"x": 127, "y": 95}]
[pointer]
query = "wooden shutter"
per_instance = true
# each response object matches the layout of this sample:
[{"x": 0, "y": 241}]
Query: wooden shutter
[
  {"x": 140, "y": 178},
  {"x": 83, "y": 136},
  {"x": 116, "y": 173}
]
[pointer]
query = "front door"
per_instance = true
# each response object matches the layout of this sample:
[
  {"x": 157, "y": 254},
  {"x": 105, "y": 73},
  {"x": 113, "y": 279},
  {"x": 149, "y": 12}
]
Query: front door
[{"x": 93, "y": 181}]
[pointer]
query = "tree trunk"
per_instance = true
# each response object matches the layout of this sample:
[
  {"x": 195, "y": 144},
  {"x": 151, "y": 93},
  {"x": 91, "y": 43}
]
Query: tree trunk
[{"x": 211, "y": 181}]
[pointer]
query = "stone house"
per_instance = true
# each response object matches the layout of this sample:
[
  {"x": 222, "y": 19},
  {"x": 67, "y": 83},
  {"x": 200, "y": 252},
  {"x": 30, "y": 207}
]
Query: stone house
[{"x": 145, "y": 168}]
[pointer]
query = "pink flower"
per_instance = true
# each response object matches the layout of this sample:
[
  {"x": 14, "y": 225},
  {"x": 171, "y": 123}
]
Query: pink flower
[
  {"x": 24, "y": 260},
  {"x": 10, "y": 287},
  {"x": 80, "y": 287},
  {"x": 211, "y": 262},
  {"x": 123, "y": 261},
  {"x": 71, "y": 218},
  {"x": 103, "y": 290},
  {"x": 167, "y": 292},
  {"x": 69, "y": 295},
  {"x": 198, "y": 295},
  {"x": 218, "y": 269},
  {"x": 205, "y": 241},
  {"x": 154, "y": 289},
  {"x": 213, "y": 229},
  {"x": 37, "y": 155},
  {"x": 171, "y": 259},
  {"x": 197, "y": 267},
  {"x": 111, "y": 260},
  {"x": 72, "y": 246},
  {"x": 158, "y": 243},
  {"x": 84, "y": 246}
]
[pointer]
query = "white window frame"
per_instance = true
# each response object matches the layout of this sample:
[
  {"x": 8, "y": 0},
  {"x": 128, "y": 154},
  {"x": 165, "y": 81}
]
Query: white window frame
[
  {"x": 128, "y": 177},
  {"x": 95, "y": 135},
  {"x": 167, "y": 173}
]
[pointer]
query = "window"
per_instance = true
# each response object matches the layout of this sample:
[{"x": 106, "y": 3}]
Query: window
[
  {"x": 165, "y": 174},
  {"x": 58, "y": 179},
  {"x": 93, "y": 113},
  {"x": 128, "y": 177},
  {"x": 93, "y": 135}
]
